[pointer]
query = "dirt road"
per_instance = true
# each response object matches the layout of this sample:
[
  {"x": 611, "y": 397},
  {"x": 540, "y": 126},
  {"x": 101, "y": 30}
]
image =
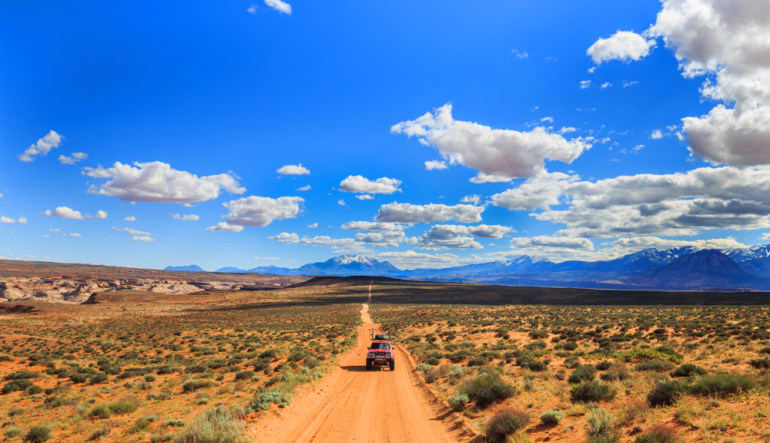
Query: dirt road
[{"x": 352, "y": 404}]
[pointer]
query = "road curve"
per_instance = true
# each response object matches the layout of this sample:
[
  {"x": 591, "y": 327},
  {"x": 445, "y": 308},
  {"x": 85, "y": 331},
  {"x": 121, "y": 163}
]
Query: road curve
[{"x": 352, "y": 404}]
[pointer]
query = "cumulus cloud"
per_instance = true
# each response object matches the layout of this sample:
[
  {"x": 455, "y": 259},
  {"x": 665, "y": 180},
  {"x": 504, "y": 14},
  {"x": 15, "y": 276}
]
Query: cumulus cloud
[
  {"x": 379, "y": 233},
  {"x": 313, "y": 225},
  {"x": 288, "y": 238},
  {"x": 622, "y": 45},
  {"x": 539, "y": 192},
  {"x": 130, "y": 218},
  {"x": 185, "y": 217},
  {"x": 433, "y": 212},
  {"x": 41, "y": 147},
  {"x": 143, "y": 238},
  {"x": 585, "y": 84},
  {"x": 131, "y": 231},
  {"x": 360, "y": 184},
  {"x": 4, "y": 219},
  {"x": 101, "y": 214},
  {"x": 64, "y": 212},
  {"x": 548, "y": 241},
  {"x": 413, "y": 260},
  {"x": 293, "y": 170},
  {"x": 679, "y": 204},
  {"x": 499, "y": 153},
  {"x": 435, "y": 165},
  {"x": 364, "y": 197},
  {"x": 261, "y": 211},
  {"x": 225, "y": 227},
  {"x": 279, "y": 6},
  {"x": 341, "y": 245},
  {"x": 473, "y": 199},
  {"x": 460, "y": 236},
  {"x": 304, "y": 188},
  {"x": 72, "y": 158},
  {"x": 159, "y": 182}
]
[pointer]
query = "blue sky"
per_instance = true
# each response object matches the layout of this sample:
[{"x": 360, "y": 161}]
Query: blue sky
[{"x": 588, "y": 142}]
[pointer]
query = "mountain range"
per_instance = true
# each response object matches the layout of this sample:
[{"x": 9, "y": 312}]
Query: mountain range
[{"x": 684, "y": 268}]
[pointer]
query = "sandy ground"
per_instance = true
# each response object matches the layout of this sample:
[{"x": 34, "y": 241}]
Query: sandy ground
[{"x": 355, "y": 405}]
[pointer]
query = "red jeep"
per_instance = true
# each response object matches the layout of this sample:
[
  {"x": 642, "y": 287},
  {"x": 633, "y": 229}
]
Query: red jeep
[{"x": 380, "y": 354}]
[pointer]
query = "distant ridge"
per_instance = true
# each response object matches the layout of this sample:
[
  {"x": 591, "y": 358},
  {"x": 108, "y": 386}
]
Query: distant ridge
[
  {"x": 191, "y": 268},
  {"x": 685, "y": 268}
]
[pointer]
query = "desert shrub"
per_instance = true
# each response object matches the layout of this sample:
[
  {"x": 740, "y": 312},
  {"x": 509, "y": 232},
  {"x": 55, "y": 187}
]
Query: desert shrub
[
  {"x": 21, "y": 375},
  {"x": 456, "y": 372},
  {"x": 654, "y": 365},
  {"x": 760, "y": 363},
  {"x": 245, "y": 375},
  {"x": 603, "y": 365},
  {"x": 217, "y": 425},
  {"x": 504, "y": 423},
  {"x": 722, "y": 385},
  {"x": 688, "y": 370},
  {"x": 592, "y": 391},
  {"x": 529, "y": 362},
  {"x": 639, "y": 354},
  {"x": 615, "y": 373},
  {"x": 12, "y": 432},
  {"x": 601, "y": 426},
  {"x": 665, "y": 393},
  {"x": 765, "y": 350},
  {"x": 582, "y": 373},
  {"x": 658, "y": 434},
  {"x": 432, "y": 375},
  {"x": 38, "y": 434},
  {"x": 571, "y": 362},
  {"x": 477, "y": 361},
  {"x": 194, "y": 385},
  {"x": 423, "y": 367},
  {"x": 569, "y": 346},
  {"x": 16, "y": 385},
  {"x": 174, "y": 422},
  {"x": 263, "y": 400},
  {"x": 551, "y": 418},
  {"x": 98, "y": 378},
  {"x": 78, "y": 378},
  {"x": 458, "y": 401},
  {"x": 122, "y": 406},
  {"x": 486, "y": 388}
]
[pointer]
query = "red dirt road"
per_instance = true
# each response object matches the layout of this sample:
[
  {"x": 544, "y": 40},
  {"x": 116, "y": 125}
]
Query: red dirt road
[{"x": 352, "y": 404}]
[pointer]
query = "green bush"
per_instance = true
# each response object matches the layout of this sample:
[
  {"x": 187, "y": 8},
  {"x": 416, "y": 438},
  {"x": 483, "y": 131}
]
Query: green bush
[
  {"x": 486, "y": 388},
  {"x": 688, "y": 370},
  {"x": 582, "y": 373},
  {"x": 551, "y": 418},
  {"x": 601, "y": 426},
  {"x": 105, "y": 410},
  {"x": 216, "y": 425},
  {"x": 658, "y": 434},
  {"x": 20, "y": 375},
  {"x": 654, "y": 365},
  {"x": 16, "y": 385},
  {"x": 722, "y": 385},
  {"x": 12, "y": 432},
  {"x": 38, "y": 434},
  {"x": 458, "y": 401},
  {"x": 665, "y": 393},
  {"x": 194, "y": 385},
  {"x": 760, "y": 363},
  {"x": 504, "y": 423},
  {"x": 592, "y": 391},
  {"x": 263, "y": 400}
]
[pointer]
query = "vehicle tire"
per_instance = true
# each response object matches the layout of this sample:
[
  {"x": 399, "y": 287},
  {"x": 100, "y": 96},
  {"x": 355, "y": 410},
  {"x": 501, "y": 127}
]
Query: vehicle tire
[
  {"x": 368, "y": 365},
  {"x": 392, "y": 365}
]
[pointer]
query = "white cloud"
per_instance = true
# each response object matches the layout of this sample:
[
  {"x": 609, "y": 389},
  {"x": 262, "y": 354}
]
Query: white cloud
[
  {"x": 657, "y": 134},
  {"x": 22, "y": 220},
  {"x": 379, "y": 233},
  {"x": 101, "y": 214},
  {"x": 304, "y": 188},
  {"x": 72, "y": 158},
  {"x": 185, "y": 217},
  {"x": 364, "y": 197},
  {"x": 341, "y": 202},
  {"x": 433, "y": 212},
  {"x": 519, "y": 53},
  {"x": 252, "y": 9},
  {"x": 288, "y": 238},
  {"x": 412, "y": 259},
  {"x": 75, "y": 234},
  {"x": 552, "y": 242},
  {"x": 360, "y": 184},
  {"x": 460, "y": 236},
  {"x": 130, "y": 218},
  {"x": 313, "y": 225},
  {"x": 547, "y": 119},
  {"x": 293, "y": 170},
  {"x": 4, "y": 219},
  {"x": 435, "y": 165},
  {"x": 346, "y": 245},
  {"x": 64, "y": 212},
  {"x": 159, "y": 182},
  {"x": 627, "y": 84},
  {"x": 501, "y": 153},
  {"x": 42, "y": 147},
  {"x": 585, "y": 84},
  {"x": 623, "y": 45},
  {"x": 261, "y": 211},
  {"x": 131, "y": 231},
  {"x": 225, "y": 227},
  {"x": 279, "y": 6},
  {"x": 539, "y": 192},
  {"x": 473, "y": 199},
  {"x": 143, "y": 238},
  {"x": 370, "y": 226},
  {"x": 567, "y": 129},
  {"x": 605, "y": 85}
]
